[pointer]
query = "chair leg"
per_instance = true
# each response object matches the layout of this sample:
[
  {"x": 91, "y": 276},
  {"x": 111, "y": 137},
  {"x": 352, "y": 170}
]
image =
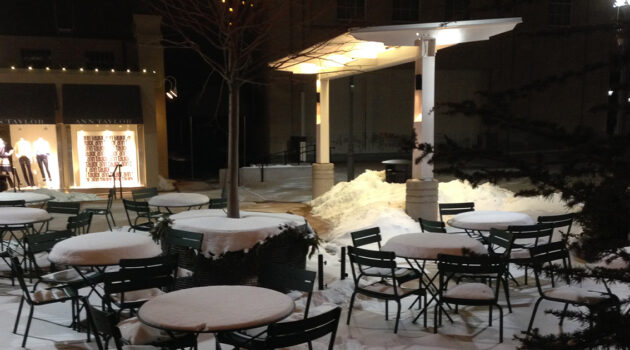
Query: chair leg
[
  {"x": 435, "y": 317},
  {"x": 500, "y": 323},
  {"x": 425, "y": 308},
  {"x": 490, "y": 316},
  {"x": 108, "y": 224},
  {"x": 525, "y": 274},
  {"x": 28, "y": 325},
  {"x": 19, "y": 313},
  {"x": 112, "y": 216},
  {"x": 564, "y": 311},
  {"x": 397, "y": 317},
  {"x": 531, "y": 320},
  {"x": 386, "y": 310},
  {"x": 507, "y": 293},
  {"x": 354, "y": 294}
]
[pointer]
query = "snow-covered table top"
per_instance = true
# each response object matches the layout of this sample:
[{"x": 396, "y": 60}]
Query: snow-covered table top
[
  {"x": 21, "y": 215},
  {"x": 28, "y": 197},
  {"x": 427, "y": 246},
  {"x": 179, "y": 200},
  {"x": 222, "y": 234},
  {"x": 484, "y": 220},
  {"x": 216, "y": 308},
  {"x": 103, "y": 248}
]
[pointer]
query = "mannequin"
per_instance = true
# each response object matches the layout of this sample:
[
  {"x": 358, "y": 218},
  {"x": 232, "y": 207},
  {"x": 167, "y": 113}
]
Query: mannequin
[
  {"x": 24, "y": 154},
  {"x": 42, "y": 151},
  {"x": 6, "y": 165}
]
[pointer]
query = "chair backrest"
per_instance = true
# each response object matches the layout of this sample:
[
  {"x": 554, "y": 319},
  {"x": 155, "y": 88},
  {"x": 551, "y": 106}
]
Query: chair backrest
[
  {"x": 15, "y": 203},
  {"x": 217, "y": 203},
  {"x": 42, "y": 243},
  {"x": 144, "y": 193},
  {"x": 484, "y": 266},
  {"x": 71, "y": 208},
  {"x": 432, "y": 226},
  {"x": 138, "y": 274},
  {"x": 366, "y": 236},
  {"x": 135, "y": 207},
  {"x": 184, "y": 239},
  {"x": 285, "y": 334},
  {"x": 111, "y": 195},
  {"x": 285, "y": 278},
  {"x": 561, "y": 223},
  {"x": 524, "y": 234},
  {"x": 103, "y": 323},
  {"x": 546, "y": 254},
  {"x": 500, "y": 242},
  {"x": 454, "y": 208},
  {"x": 365, "y": 258},
  {"x": 18, "y": 273},
  {"x": 80, "y": 224}
]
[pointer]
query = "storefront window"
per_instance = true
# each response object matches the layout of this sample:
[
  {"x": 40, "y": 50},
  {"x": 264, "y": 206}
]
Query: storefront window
[
  {"x": 34, "y": 157},
  {"x": 99, "y": 149}
]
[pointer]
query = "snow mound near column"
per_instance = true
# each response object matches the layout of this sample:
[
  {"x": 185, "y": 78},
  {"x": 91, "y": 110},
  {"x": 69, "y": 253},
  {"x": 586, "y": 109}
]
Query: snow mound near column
[
  {"x": 68, "y": 197},
  {"x": 369, "y": 201}
]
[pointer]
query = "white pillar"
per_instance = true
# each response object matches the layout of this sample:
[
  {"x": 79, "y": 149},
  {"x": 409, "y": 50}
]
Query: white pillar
[
  {"x": 323, "y": 176},
  {"x": 422, "y": 190},
  {"x": 428, "y": 103},
  {"x": 323, "y": 123}
]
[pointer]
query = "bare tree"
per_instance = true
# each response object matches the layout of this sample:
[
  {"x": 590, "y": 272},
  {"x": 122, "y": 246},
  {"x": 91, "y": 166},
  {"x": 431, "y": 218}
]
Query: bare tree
[{"x": 229, "y": 36}]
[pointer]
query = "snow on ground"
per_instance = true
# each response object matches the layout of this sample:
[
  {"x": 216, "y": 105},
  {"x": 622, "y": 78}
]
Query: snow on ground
[{"x": 68, "y": 197}]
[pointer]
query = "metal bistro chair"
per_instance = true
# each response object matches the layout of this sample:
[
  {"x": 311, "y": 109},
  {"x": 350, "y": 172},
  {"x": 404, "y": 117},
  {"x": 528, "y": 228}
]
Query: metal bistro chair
[
  {"x": 500, "y": 245},
  {"x": 285, "y": 334},
  {"x": 217, "y": 203},
  {"x": 469, "y": 293},
  {"x": 561, "y": 224},
  {"x": 432, "y": 226},
  {"x": 187, "y": 246},
  {"x": 105, "y": 327},
  {"x": 41, "y": 297},
  {"x": 138, "y": 281},
  {"x": 80, "y": 224},
  {"x": 68, "y": 208},
  {"x": 107, "y": 211},
  {"x": 366, "y": 236},
  {"x": 546, "y": 254},
  {"x": 525, "y": 237},
  {"x": 448, "y": 209},
  {"x": 281, "y": 278},
  {"x": 144, "y": 193},
  {"x": 142, "y": 211},
  {"x": 364, "y": 259},
  {"x": 15, "y": 203}
]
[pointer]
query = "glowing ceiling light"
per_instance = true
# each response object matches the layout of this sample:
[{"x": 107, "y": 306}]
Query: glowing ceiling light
[
  {"x": 47, "y": 68},
  {"x": 144, "y": 70},
  {"x": 128, "y": 70},
  {"x": 448, "y": 36},
  {"x": 63, "y": 69},
  {"x": 81, "y": 69},
  {"x": 30, "y": 67},
  {"x": 112, "y": 70},
  {"x": 12, "y": 67},
  {"x": 367, "y": 49},
  {"x": 610, "y": 92},
  {"x": 306, "y": 68},
  {"x": 96, "y": 70}
]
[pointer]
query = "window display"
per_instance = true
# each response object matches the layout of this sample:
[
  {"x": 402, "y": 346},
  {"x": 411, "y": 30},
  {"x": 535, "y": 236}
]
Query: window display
[
  {"x": 101, "y": 151},
  {"x": 35, "y": 144}
]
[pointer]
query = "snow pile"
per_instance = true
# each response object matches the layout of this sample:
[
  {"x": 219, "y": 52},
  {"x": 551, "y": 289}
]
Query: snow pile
[
  {"x": 68, "y": 197},
  {"x": 165, "y": 185},
  {"x": 369, "y": 201},
  {"x": 364, "y": 202}
]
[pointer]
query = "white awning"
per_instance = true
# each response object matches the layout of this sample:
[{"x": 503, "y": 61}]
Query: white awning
[{"x": 372, "y": 48}]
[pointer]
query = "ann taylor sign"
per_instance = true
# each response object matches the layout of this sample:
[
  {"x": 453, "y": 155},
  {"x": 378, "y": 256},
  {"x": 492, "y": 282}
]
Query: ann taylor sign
[
  {"x": 23, "y": 121},
  {"x": 104, "y": 121}
]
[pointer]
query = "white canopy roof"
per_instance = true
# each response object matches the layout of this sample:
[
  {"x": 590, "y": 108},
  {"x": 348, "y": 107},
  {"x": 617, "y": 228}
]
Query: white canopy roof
[{"x": 371, "y": 48}]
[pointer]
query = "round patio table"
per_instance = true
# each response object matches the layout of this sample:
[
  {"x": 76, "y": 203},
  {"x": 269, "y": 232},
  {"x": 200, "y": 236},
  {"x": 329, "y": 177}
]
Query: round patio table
[
  {"x": 223, "y": 234},
  {"x": 179, "y": 200},
  {"x": 103, "y": 249},
  {"x": 484, "y": 220},
  {"x": 215, "y": 308},
  {"x": 100, "y": 250},
  {"x": 21, "y": 219},
  {"x": 423, "y": 247},
  {"x": 27, "y": 197}
]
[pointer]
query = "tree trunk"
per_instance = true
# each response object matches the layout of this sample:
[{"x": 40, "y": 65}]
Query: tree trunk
[{"x": 232, "y": 170}]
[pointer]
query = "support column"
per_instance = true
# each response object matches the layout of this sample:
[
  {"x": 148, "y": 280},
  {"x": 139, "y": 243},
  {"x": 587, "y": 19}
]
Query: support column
[
  {"x": 323, "y": 175},
  {"x": 422, "y": 189}
]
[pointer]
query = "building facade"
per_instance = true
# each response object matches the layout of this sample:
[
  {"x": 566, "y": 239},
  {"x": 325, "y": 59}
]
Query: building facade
[{"x": 82, "y": 92}]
